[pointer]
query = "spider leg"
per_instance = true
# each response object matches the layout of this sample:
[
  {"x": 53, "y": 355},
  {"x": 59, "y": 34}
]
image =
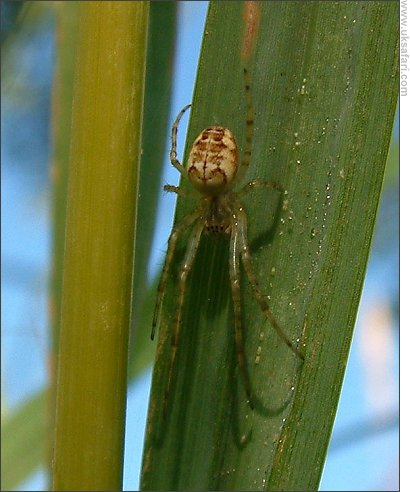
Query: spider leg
[
  {"x": 247, "y": 152},
  {"x": 190, "y": 254},
  {"x": 258, "y": 183},
  {"x": 247, "y": 264},
  {"x": 234, "y": 275},
  {"x": 173, "y": 154},
  {"x": 172, "y": 242},
  {"x": 179, "y": 191}
]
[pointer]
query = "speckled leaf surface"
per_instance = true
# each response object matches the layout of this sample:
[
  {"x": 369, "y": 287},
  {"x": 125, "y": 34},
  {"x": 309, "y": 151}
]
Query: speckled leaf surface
[{"x": 324, "y": 80}]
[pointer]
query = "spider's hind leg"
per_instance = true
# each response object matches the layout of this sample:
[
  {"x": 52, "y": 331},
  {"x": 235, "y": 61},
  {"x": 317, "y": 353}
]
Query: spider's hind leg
[
  {"x": 257, "y": 293},
  {"x": 234, "y": 275},
  {"x": 172, "y": 242},
  {"x": 186, "y": 267}
]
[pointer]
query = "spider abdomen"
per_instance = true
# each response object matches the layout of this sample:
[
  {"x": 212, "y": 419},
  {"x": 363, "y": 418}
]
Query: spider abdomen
[{"x": 213, "y": 160}]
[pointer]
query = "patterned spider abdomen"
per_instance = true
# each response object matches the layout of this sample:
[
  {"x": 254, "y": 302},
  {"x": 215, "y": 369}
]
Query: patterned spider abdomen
[{"x": 213, "y": 160}]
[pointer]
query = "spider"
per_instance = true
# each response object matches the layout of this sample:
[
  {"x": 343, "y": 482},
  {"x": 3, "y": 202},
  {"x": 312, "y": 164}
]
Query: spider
[{"x": 213, "y": 171}]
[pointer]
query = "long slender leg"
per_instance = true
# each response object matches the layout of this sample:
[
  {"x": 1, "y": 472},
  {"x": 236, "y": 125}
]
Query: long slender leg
[
  {"x": 172, "y": 242},
  {"x": 190, "y": 254},
  {"x": 173, "y": 154},
  {"x": 247, "y": 152},
  {"x": 247, "y": 264},
  {"x": 234, "y": 275},
  {"x": 258, "y": 183}
]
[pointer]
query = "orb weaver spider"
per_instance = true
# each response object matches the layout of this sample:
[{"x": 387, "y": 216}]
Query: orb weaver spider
[{"x": 213, "y": 171}]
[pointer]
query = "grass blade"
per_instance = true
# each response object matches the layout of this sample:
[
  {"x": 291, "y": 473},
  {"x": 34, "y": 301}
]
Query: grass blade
[
  {"x": 155, "y": 139},
  {"x": 21, "y": 432}
]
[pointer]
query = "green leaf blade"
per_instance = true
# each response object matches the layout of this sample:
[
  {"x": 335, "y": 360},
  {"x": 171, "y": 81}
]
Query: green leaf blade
[{"x": 324, "y": 79}]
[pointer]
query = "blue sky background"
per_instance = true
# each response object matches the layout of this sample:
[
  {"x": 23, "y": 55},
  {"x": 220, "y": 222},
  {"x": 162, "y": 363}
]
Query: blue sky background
[{"x": 369, "y": 401}]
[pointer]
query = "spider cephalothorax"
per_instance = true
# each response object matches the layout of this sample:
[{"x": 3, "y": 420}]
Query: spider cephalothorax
[
  {"x": 213, "y": 170},
  {"x": 217, "y": 215}
]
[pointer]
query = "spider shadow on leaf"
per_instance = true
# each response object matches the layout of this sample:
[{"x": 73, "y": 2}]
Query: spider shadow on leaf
[
  {"x": 207, "y": 298},
  {"x": 273, "y": 213}
]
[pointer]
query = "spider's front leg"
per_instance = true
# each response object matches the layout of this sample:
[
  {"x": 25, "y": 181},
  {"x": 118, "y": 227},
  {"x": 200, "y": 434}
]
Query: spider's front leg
[
  {"x": 175, "y": 189},
  {"x": 247, "y": 264},
  {"x": 190, "y": 254},
  {"x": 234, "y": 275},
  {"x": 180, "y": 191},
  {"x": 247, "y": 151},
  {"x": 174, "y": 132}
]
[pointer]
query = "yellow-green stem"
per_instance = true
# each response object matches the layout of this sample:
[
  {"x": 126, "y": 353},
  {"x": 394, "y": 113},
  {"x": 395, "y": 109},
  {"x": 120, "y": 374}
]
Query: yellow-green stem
[
  {"x": 101, "y": 210},
  {"x": 66, "y": 24}
]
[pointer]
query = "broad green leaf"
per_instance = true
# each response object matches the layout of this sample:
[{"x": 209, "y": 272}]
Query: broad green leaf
[{"x": 324, "y": 81}]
